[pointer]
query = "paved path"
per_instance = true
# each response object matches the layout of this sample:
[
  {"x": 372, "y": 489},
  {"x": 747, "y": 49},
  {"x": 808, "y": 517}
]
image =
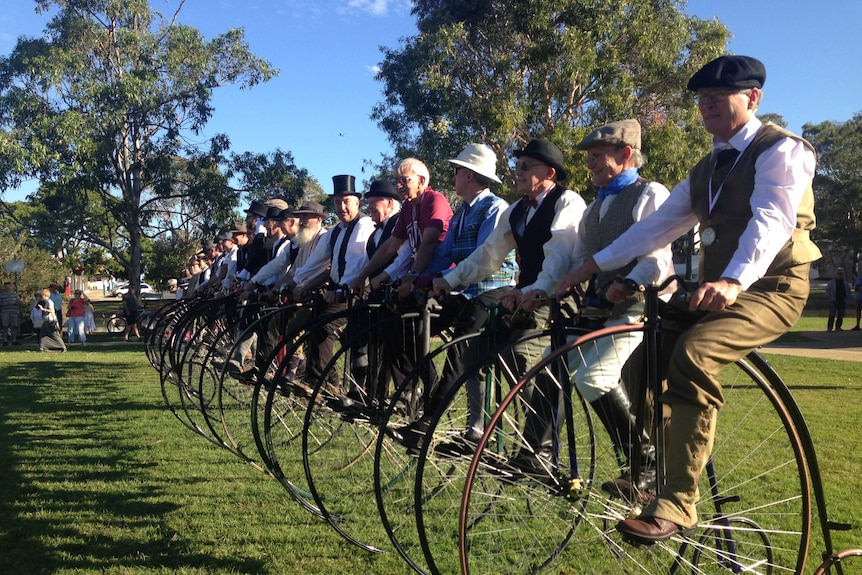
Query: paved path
[{"x": 842, "y": 345}]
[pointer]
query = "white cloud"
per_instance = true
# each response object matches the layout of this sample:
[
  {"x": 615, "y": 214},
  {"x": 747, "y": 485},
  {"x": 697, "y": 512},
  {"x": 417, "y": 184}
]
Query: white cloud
[
  {"x": 380, "y": 8},
  {"x": 373, "y": 69}
]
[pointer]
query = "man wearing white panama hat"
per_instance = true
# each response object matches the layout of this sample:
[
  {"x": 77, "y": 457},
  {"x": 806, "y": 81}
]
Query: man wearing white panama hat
[{"x": 475, "y": 218}]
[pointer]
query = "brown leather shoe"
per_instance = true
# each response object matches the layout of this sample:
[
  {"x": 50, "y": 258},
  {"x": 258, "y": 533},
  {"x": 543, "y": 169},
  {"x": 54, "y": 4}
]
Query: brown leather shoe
[{"x": 649, "y": 530}]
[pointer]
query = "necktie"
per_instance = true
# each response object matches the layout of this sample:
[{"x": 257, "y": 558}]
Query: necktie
[
  {"x": 465, "y": 213},
  {"x": 725, "y": 156}
]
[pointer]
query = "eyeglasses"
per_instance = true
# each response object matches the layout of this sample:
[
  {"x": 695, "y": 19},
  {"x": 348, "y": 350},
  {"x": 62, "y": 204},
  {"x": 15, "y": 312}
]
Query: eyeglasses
[
  {"x": 402, "y": 180},
  {"x": 706, "y": 98},
  {"x": 525, "y": 166},
  {"x": 458, "y": 169}
]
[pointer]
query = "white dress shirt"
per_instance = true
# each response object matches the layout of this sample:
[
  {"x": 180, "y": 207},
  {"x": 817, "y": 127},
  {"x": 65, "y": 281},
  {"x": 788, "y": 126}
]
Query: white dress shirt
[
  {"x": 782, "y": 175},
  {"x": 488, "y": 256}
]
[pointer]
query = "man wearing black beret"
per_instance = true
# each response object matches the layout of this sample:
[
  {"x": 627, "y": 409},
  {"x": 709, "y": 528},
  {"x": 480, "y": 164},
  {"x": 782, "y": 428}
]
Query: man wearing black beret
[{"x": 752, "y": 198}]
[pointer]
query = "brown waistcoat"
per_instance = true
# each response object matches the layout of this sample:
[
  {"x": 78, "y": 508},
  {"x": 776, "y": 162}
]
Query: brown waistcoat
[{"x": 733, "y": 210}]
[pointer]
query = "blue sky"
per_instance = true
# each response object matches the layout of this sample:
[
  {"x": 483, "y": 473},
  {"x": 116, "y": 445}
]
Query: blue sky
[{"x": 326, "y": 50}]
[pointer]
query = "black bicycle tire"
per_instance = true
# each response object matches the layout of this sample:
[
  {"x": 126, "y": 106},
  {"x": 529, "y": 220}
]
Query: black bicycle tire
[{"x": 793, "y": 452}]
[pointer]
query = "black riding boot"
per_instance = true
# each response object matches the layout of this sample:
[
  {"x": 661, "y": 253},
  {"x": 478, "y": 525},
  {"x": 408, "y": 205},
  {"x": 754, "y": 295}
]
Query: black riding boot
[
  {"x": 614, "y": 411},
  {"x": 536, "y": 457}
]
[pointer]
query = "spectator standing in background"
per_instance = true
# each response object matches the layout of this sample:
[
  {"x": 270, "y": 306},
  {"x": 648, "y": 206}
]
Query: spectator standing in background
[
  {"x": 10, "y": 310},
  {"x": 838, "y": 292}
]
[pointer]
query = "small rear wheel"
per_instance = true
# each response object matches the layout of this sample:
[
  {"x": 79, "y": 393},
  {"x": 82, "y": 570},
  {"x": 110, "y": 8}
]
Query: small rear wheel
[
  {"x": 846, "y": 562},
  {"x": 115, "y": 324}
]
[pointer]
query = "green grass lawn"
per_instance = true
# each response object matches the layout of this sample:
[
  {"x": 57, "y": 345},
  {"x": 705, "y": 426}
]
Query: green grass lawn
[{"x": 98, "y": 476}]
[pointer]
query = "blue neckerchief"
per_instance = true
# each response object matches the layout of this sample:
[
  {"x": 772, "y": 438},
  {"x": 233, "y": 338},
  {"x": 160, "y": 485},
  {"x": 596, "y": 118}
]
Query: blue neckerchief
[{"x": 619, "y": 182}]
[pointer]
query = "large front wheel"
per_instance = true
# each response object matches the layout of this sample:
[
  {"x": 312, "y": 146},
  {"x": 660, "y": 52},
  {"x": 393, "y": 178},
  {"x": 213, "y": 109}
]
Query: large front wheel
[{"x": 754, "y": 509}]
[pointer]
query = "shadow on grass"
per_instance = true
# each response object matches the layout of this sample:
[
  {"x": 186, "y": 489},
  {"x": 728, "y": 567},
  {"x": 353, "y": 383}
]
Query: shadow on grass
[{"x": 81, "y": 485}]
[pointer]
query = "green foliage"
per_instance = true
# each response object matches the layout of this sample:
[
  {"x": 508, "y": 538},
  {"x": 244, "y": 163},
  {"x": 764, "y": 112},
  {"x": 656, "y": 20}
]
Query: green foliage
[
  {"x": 275, "y": 175},
  {"x": 99, "y": 109},
  {"x": 167, "y": 259},
  {"x": 40, "y": 269},
  {"x": 502, "y": 73},
  {"x": 838, "y": 189}
]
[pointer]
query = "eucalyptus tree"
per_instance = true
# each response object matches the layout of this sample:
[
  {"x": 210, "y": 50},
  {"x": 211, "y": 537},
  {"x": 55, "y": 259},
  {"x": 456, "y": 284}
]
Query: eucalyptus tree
[
  {"x": 101, "y": 107},
  {"x": 838, "y": 189},
  {"x": 503, "y": 72}
]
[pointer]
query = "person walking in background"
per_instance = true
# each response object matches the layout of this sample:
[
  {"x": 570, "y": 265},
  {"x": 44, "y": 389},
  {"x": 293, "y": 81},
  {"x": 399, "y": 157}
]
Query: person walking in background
[
  {"x": 838, "y": 292},
  {"x": 76, "y": 312},
  {"x": 857, "y": 285},
  {"x": 57, "y": 300},
  {"x": 130, "y": 313},
  {"x": 36, "y": 314},
  {"x": 10, "y": 310},
  {"x": 50, "y": 336},
  {"x": 89, "y": 316}
]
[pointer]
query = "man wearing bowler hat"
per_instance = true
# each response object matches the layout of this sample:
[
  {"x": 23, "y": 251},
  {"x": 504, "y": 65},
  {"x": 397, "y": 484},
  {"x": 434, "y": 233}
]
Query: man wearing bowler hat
[
  {"x": 542, "y": 228},
  {"x": 384, "y": 208},
  {"x": 281, "y": 236},
  {"x": 311, "y": 215},
  {"x": 753, "y": 200}
]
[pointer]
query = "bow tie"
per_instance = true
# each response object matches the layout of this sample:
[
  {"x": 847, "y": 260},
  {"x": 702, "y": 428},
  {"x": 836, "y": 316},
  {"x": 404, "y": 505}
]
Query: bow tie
[{"x": 529, "y": 202}]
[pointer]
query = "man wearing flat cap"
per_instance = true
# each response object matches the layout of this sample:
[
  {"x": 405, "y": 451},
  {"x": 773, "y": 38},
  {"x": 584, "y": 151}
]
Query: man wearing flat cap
[
  {"x": 613, "y": 158},
  {"x": 542, "y": 228},
  {"x": 752, "y": 198}
]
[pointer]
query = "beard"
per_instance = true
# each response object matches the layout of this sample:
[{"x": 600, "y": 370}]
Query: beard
[{"x": 304, "y": 237}]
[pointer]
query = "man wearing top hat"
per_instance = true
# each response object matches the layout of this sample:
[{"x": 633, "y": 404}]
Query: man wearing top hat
[
  {"x": 257, "y": 253},
  {"x": 239, "y": 231},
  {"x": 343, "y": 251},
  {"x": 753, "y": 200},
  {"x": 344, "y": 248}
]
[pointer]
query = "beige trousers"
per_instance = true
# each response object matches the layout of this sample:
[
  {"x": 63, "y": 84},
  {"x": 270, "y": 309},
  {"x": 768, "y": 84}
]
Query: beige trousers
[{"x": 768, "y": 309}]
